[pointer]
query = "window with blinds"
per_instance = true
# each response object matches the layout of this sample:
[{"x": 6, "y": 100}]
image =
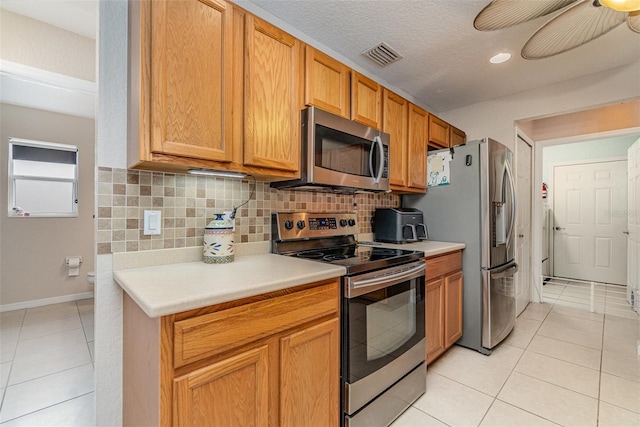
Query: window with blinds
[{"x": 43, "y": 179}]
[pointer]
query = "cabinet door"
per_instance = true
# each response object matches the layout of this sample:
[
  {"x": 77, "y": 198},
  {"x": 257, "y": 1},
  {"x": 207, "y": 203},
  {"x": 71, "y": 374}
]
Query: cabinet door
[
  {"x": 310, "y": 376},
  {"x": 232, "y": 392},
  {"x": 366, "y": 101},
  {"x": 456, "y": 136},
  {"x": 452, "y": 308},
  {"x": 434, "y": 316},
  {"x": 438, "y": 132},
  {"x": 326, "y": 83},
  {"x": 191, "y": 78},
  {"x": 418, "y": 140},
  {"x": 395, "y": 115},
  {"x": 273, "y": 96}
]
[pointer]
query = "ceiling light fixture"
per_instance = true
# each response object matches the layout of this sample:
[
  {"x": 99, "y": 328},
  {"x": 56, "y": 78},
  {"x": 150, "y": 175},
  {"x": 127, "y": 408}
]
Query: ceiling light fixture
[
  {"x": 500, "y": 58},
  {"x": 621, "y": 5},
  {"x": 219, "y": 174}
]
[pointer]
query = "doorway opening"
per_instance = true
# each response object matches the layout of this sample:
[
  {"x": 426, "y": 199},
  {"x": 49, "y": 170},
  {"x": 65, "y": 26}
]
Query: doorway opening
[{"x": 584, "y": 248}]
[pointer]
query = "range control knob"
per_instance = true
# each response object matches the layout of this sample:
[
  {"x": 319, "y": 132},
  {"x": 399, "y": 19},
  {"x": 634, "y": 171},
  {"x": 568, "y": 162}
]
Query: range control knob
[
  {"x": 300, "y": 224},
  {"x": 352, "y": 222},
  {"x": 288, "y": 224},
  {"x": 343, "y": 223}
]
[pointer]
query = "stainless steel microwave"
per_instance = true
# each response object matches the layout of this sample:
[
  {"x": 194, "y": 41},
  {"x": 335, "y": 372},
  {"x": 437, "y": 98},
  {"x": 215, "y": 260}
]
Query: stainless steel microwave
[{"x": 340, "y": 155}]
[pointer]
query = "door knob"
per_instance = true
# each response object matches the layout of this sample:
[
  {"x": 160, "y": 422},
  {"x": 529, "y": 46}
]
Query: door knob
[
  {"x": 625, "y": 232},
  {"x": 559, "y": 228},
  {"x": 521, "y": 235}
]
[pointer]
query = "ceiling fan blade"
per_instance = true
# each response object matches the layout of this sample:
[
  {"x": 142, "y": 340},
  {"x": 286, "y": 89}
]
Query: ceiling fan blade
[
  {"x": 633, "y": 21},
  {"x": 505, "y": 13},
  {"x": 574, "y": 27}
]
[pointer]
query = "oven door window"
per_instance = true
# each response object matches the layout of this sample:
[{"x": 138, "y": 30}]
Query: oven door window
[
  {"x": 342, "y": 152},
  {"x": 382, "y": 325}
]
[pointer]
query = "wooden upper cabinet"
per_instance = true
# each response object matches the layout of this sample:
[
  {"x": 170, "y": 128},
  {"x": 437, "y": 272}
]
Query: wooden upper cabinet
[
  {"x": 417, "y": 149},
  {"x": 456, "y": 136},
  {"x": 395, "y": 117},
  {"x": 438, "y": 132},
  {"x": 273, "y": 65},
  {"x": 366, "y": 101},
  {"x": 190, "y": 78},
  {"x": 327, "y": 83}
]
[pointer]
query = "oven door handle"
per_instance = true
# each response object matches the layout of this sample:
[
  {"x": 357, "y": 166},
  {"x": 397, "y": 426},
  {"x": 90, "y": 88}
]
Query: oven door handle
[{"x": 357, "y": 287}]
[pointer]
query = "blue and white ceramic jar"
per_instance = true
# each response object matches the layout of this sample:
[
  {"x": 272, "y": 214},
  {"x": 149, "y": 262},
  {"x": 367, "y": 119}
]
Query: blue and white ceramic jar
[{"x": 218, "y": 241}]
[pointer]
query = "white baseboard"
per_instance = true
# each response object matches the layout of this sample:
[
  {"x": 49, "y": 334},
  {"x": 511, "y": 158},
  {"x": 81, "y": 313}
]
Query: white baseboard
[{"x": 45, "y": 301}]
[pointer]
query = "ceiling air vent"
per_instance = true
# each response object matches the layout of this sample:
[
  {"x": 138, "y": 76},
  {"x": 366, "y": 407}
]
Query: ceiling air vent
[{"x": 382, "y": 54}]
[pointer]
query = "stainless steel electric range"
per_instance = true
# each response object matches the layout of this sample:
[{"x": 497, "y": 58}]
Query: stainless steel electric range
[{"x": 383, "y": 366}]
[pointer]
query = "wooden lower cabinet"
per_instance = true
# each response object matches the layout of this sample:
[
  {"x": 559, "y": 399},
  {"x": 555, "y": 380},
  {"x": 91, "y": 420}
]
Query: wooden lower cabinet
[
  {"x": 269, "y": 360},
  {"x": 234, "y": 391},
  {"x": 443, "y": 303},
  {"x": 309, "y": 364},
  {"x": 434, "y": 315}
]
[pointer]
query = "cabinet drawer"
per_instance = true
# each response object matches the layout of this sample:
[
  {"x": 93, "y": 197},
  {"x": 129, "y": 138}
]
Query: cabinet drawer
[
  {"x": 443, "y": 264},
  {"x": 213, "y": 333}
]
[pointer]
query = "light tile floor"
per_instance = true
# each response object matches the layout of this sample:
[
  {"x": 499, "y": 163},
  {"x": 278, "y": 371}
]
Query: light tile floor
[
  {"x": 560, "y": 366},
  {"x": 608, "y": 299},
  {"x": 46, "y": 365}
]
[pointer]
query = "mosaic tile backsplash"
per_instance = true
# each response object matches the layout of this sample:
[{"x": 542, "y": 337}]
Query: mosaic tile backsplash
[{"x": 188, "y": 203}]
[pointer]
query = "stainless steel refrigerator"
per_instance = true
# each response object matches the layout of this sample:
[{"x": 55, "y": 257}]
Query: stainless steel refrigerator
[{"x": 475, "y": 204}]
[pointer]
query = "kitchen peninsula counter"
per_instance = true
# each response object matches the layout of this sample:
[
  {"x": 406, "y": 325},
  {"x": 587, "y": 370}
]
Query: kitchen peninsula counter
[{"x": 162, "y": 286}]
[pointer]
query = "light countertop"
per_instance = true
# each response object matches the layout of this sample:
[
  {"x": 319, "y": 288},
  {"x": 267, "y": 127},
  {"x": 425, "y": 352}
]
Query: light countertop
[
  {"x": 173, "y": 280},
  {"x": 161, "y": 290},
  {"x": 429, "y": 247}
]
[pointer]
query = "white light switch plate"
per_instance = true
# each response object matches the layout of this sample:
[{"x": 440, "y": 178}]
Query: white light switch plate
[{"x": 152, "y": 222}]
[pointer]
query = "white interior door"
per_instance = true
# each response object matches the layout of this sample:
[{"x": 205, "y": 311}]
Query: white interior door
[
  {"x": 633, "y": 226},
  {"x": 590, "y": 205},
  {"x": 523, "y": 228}
]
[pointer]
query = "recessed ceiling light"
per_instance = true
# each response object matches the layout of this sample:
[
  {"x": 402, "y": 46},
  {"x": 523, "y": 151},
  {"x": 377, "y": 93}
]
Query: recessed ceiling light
[{"x": 500, "y": 58}]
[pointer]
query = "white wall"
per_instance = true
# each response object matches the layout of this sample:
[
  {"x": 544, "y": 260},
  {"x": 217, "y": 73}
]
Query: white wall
[
  {"x": 111, "y": 149},
  {"x": 496, "y": 118},
  {"x": 34, "y": 43},
  {"x": 587, "y": 150},
  {"x": 33, "y": 274}
]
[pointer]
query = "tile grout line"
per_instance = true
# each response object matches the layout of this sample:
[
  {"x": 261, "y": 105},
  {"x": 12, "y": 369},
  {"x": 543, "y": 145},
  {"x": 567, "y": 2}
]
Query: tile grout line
[
  {"x": 13, "y": 358},
  {"x": 46, "y": 407}
]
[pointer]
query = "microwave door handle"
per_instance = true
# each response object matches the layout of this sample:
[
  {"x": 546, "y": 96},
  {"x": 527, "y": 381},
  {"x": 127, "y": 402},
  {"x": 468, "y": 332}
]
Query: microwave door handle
[{"x": 376, "y": 142}]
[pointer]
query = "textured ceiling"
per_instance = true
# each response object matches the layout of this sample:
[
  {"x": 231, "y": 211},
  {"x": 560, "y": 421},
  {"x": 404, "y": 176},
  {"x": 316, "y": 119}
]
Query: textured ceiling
[{"x": 445, "y": 64}]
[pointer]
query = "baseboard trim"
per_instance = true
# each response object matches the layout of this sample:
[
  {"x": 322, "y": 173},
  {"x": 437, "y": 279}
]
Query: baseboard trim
[{"x": 45, "y": 301}]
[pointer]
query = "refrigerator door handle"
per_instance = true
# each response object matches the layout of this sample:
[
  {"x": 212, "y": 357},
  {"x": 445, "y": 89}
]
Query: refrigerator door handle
[
  {"x": 505, "y": 271},
  {"x": 512, "y": 220}
]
